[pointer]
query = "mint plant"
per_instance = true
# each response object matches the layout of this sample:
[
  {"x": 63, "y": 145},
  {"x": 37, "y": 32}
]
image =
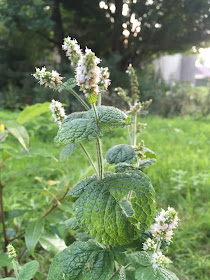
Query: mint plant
[{"x": 117, "y": 210}]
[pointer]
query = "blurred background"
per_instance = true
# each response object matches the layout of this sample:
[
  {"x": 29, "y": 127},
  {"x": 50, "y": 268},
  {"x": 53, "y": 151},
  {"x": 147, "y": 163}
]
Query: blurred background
[
  {"x": 168, "y": 44},
  {"x": 166, "y": 41}
]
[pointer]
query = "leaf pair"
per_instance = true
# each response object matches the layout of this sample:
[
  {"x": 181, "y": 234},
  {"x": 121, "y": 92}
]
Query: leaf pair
[
  {"x": 116, "y": 209},
  {"x": 78, "y": 127}
]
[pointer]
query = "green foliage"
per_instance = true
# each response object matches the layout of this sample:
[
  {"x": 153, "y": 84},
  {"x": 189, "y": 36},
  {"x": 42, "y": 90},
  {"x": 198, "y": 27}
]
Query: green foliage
[
  {"x": 139, "y": 258},
  {"x": 77, "y": 131},
  {"x": 116, "y": 217},
  {"x": 4, "y": 260},
  {"x": 109, "y": 117},
  {"x": 68, "y": 85},
  {"x": 52, "y": 242},
  {"x": 28, "y": 270},
  {"x": 33, "y": 111},
  {"x": 67, "y": 151},
  {"x": 19, "y": 132},
  {"x": 82, "y": 261},
  {"x": 120, "y": 153},
  {"x": 33, "y": 233},
  {"x": 149, "y": 273}
]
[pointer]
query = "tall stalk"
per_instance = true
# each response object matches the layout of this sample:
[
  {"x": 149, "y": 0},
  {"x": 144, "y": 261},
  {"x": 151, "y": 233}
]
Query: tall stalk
[
  {"x": 90, "y": 159},
  {"x": 99, "y": 147},
  {"x": 79, "y": 99}
]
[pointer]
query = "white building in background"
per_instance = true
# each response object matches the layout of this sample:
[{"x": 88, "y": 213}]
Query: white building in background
[{"x": 177, "y": 67}]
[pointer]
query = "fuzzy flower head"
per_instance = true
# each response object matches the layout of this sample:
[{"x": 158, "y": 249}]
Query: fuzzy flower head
[
  {"x": 123, "y": 94},
  {"x": 149, "y": 245},
  {"x": 104, "y": 80},
  {"x": 134, "y": 83},
  {"x": 164, "y": 224},
  {"x": 58, "y": 112},
  {"x": 158, "y": 259},
  {"x": 11, "y": 251},
  {"x": 88, "y": 75},
  {"x": 49, "y": 79},
  {"x": 72, "y": 49}
]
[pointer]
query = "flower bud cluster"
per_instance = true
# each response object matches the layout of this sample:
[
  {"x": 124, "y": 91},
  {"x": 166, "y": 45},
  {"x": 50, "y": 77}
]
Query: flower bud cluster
[
  {"x": 49, "y": 79},
  {"x": 164, "y": 224},
  {"x": 139, "y": 149},
  {"x": 104, "y": 80},
  {"x": 72, "y": 49},
  {"x": 149, "y": 245},
  {"x": 88, "y": 73},
  {"x": 123, "y": 94},
  {"x": 11, "y": 251},
  {"x": 134, "y": 83},
  {"x": 58, "y": 112},
  {"x": 135, "y": 108},
  {"x": 158, "y": 259}
]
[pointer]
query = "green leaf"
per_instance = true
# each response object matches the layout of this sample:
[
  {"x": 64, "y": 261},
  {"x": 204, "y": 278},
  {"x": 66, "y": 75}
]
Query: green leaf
[
  {"x": 5, "y": 261},
  {"x": 33, "y": 233},
  {"x": 33, "y": 111},
  {"x": 19, "y": 132},
  {"x": 109, "y": 117},
  {"x": 75, "y": 116},
  {"x": 71, "y": 223},
  {"x": 82, "y": 261},
  {"x": 77, "y": 190},
  {"x": 15, "y": 213},
  {"x": 114, "y": 210},
  {"x": 28, "y": 270},
  {"x": 148, "y": 153},
  {"x": 149, "y": 273},
  {"x": 6, "y": 155},
  {"x": 69, "y": 84},
  {"x": 52, "y": 243},
  {"x": 67, "y": 151},
  {"x": 92, "y": 98},
  {"x": 120, "y": 153},
  {"x": 139, "y": 258},
  {"x": 9, "y": 278},
  {"x": 77, "y": 131},
  {"x": 146, "y": 162}
]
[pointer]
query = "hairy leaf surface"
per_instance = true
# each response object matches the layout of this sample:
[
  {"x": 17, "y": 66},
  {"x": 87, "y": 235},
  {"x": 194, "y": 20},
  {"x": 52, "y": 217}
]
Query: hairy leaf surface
[
  {"x": 82, "y": 261},
  {"x": 120, "y": 153},
  {"x": 116, "y": 209},
  {"x": 149, "y": 273},
  {"x": 139, "y": 258},
  {"x": 74, "y": 116},
  {"x": 77, "y": 131},
  {"x": 109, "y": 117},
  {"x": 68, "y": 85}
]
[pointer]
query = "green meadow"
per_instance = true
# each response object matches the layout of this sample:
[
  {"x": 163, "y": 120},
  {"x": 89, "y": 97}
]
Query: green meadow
[{"x": 180, "y": 177}]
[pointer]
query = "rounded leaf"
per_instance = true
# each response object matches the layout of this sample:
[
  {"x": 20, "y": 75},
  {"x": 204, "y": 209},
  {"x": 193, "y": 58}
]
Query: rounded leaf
[{"x": 120, "y": 153}]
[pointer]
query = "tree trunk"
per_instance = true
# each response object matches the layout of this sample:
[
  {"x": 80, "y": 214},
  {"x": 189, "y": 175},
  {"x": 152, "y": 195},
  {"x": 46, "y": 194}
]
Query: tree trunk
[{"x": 58, "y": 29}]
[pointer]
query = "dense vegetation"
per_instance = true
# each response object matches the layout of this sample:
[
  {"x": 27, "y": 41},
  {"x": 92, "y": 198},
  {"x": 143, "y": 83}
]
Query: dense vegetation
[{"x": 180, "y": 177}]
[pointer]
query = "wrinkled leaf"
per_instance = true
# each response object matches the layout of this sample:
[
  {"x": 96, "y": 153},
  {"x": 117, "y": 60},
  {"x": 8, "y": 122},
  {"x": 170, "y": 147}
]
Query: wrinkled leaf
[
  {"x": 19, "y": 132},
  {"x": 33, "y": 111},
  {"x": 82, "y": 261},
  {"x": 77, "y": 131},
  {"x": 5, "y": 261},
  {"x": 69, "y": 84},
  {"x": 67, "y": 151},
  {"x": 114, "y": 210},
  {"x": 74, "y": 116},
  {"x": 33, "y": 233},
  {"x": 71, "y": 223},
  {"x": 120, "y": 153},
  {"x": 149, "y": 273},
  {"x": 139, "y": 258},
  {"x": 52, "y": 243},
  {"x": 28, "y": 270},
  {"x": 109, "y": 117}
]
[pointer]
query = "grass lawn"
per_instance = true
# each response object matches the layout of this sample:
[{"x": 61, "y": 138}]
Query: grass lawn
[{"x": 180, "y": 177}]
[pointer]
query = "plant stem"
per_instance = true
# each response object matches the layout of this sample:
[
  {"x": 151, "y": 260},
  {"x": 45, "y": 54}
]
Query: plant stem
[
  {"x": 129, "y": 135},
  {"x": 99, "y": 147},
  {"x": 158, "y": 246},
  {"x": 4, "y": 135},
  {"x": 134, "y": 129},
  {"x": 80, "y": 99},
  {"x": 99, "y": 99},
  {"x": 89, "y": 158},
  {"x": 15, "y": 267}
]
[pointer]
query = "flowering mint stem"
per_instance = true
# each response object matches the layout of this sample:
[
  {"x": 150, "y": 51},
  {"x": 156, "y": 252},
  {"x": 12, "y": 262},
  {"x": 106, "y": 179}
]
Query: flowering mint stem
[
  {"x": 99, "y": 147},
  {"x": 129, "y": 135},
  {"x": 80, "y": 99},
  {"x": 134, "y": 128},
  {"x": 89, "y": 158},
  {"x": 99, "y": 99},
  {"x": 158, "y": 246},
  {"x": 15, "y": 267}
]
